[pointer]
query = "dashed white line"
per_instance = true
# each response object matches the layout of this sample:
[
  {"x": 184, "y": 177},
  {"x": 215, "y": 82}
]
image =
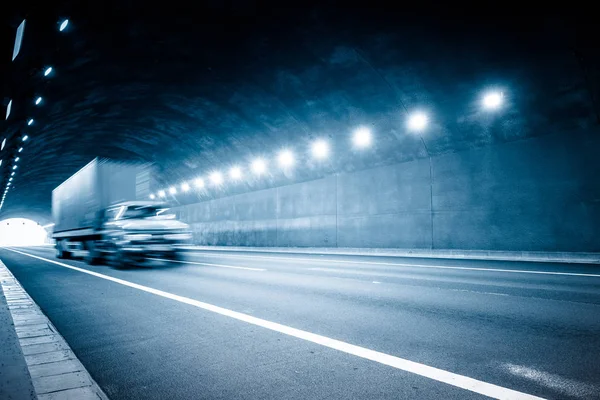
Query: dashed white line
[
  {"x": 209, "y": 264},
  {"x": 334, "y": 261},
  {"x": 461, "y": 381}
]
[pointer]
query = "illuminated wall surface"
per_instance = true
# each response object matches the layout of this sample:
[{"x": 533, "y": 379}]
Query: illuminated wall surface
[
  {"x": 535, "y": 195},
  {"x": 21, "y": 232}
]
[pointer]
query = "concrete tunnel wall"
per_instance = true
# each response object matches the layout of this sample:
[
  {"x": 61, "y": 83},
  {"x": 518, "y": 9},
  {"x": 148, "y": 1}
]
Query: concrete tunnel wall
[{"x": 539, "y": 194}]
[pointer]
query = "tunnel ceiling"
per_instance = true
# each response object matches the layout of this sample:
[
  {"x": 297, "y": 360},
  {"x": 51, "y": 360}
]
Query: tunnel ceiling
[{"x": 200, "y": 88}]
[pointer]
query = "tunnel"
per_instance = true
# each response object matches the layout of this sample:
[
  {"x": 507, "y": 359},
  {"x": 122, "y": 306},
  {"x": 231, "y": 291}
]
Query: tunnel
[
  {"x": 473, "y": 178},
  {"x": 299, "y": 200}
]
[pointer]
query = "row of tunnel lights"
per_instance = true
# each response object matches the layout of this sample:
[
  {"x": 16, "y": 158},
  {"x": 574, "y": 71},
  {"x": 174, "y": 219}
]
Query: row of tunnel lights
[
  {"x": 15, "y": 166},
  {"x": 38, "y": 101},
  {"x": 362, "y": 138}
]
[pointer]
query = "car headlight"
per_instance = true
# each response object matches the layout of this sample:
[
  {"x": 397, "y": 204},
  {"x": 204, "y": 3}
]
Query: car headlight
[
  {"x": 178, "y": 236},
  {"x": 136, "y": 237}
]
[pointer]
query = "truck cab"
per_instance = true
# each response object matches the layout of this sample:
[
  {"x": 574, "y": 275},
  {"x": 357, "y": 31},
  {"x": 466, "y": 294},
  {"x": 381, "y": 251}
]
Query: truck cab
[{"x": 132, "y": 231}]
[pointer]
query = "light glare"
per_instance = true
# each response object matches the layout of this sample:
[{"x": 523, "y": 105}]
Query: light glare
[
  {"x": 30, "y": 121},
  {"x": 216, "y": 178},
  {"x": 320, "y": 149},
  {"x": 286, "y": 158},
  {"x": 492, "y": 100},
  {"x": 63, "y": 25},
  {"x": 152, "y": 197},
  {"x": 259, "y": 166},
  {"x": 235, "y": 172},
  {"x": 185, "y": 186},
  {"x": 161, "y": 193},
  {"x": 25, "y": 138},
  {"x": 417, "y": 121},
  {"x": 20, "y": 149},
  {"x": 362, "y": 137},
  {"x": 199, "y": 182},
  {"x": 48, "y": 71},
  {"x": 21, "y": 232},
  {"x": 172, "y": 190},
  {"x": 38, "y": 100}
]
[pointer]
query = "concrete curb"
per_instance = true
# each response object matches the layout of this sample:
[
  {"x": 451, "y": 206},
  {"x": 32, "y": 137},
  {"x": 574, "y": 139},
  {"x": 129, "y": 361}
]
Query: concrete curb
[
  {"x": 531, "y": 256},
  {"x": 55, "y": 371}
]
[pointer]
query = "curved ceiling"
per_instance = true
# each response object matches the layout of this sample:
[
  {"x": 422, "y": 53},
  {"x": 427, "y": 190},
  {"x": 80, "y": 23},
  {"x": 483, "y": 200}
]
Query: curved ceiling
[{"x": 198, "y": 89}]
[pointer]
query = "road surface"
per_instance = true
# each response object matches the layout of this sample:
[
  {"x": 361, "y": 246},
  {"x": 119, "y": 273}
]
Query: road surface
[{"x": 234, "y": 325}]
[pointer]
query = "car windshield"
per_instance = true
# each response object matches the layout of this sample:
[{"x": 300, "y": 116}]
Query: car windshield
[{"x": 140, "y": 212}]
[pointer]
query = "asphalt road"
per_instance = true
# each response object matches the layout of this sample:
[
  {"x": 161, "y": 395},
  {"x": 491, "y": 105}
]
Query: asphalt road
[{"x": 533, "y": 328}]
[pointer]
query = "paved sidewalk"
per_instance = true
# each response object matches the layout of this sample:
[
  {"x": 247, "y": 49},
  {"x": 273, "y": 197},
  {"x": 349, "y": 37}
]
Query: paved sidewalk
[
  {"x": 43, "y": 365},
  {"x": 15, "y": 381}
]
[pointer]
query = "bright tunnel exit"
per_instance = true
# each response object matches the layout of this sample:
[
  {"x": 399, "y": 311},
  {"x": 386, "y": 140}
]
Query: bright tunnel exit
[{"x": 21, "y": 232}]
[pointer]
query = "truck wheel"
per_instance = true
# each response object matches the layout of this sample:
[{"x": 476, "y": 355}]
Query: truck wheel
[
  {"x": 120, "y": 261},
  {"x": 60, "y": 250},
  {"x": 117, "y": 259},
  {"x": 175, "y": 256},
  {"x": 94, "y": 257}
]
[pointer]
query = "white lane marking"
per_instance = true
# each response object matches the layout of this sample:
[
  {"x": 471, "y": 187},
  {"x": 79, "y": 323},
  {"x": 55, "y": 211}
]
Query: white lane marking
[
  {"x": 440, "y": 375},
  {"x": 328, "y": 260},
  {"x": 392, "y": 276},
  {"x": 209, "y": 264}
]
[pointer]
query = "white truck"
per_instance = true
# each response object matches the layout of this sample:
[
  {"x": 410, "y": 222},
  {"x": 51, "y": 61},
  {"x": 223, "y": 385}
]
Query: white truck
[{"x": 101, "y": 213}]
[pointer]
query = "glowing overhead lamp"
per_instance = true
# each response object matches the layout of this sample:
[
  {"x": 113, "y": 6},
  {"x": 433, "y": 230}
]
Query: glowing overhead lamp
[
  {"x": 417, "y": 121},
  {"x": 216, "y": 178},
  {"x": 493, "y": 100},
  {"x": 362, "y": 137},
  {"x": 259, "y": 166},
  {"x": 235, "y": 173},
  {"x": 320, "y": 149},
  {"x": 286, "y": 158}
]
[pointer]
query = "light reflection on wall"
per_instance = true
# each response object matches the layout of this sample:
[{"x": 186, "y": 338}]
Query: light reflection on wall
[{"x": 21, "y": 232}]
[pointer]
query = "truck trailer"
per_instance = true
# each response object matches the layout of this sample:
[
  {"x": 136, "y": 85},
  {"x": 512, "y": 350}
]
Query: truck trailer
[{"x": 102, "y": 213}]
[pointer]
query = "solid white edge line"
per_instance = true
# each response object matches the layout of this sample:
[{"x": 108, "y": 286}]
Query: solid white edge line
[
  {"x": 519, "y": 271},
  {"x": 209, "y": 264},
  {"x": 460, "y": 381}
]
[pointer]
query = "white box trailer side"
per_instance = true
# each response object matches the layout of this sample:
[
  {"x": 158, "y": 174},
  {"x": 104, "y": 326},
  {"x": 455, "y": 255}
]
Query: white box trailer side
[{"x": 101, "y": 183}]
